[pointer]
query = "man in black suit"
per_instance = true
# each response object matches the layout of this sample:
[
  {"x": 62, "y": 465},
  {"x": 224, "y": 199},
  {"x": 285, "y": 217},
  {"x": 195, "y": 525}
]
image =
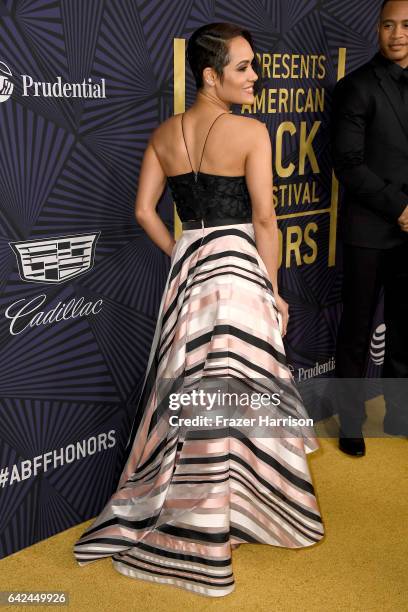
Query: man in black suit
[{"x": 370, "y": 159}]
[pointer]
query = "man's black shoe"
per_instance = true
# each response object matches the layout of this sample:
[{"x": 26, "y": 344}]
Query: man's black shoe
[{"x": 352, "y": 446}]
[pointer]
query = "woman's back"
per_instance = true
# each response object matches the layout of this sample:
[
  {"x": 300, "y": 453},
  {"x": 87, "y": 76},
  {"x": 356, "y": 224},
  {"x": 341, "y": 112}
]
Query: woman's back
[
  {"x": 225, "y": 150},
  {"x": 203, "y": 155}
]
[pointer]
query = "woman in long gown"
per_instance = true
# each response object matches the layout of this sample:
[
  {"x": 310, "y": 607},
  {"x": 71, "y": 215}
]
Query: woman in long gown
[{"x": 188, "y": 495}]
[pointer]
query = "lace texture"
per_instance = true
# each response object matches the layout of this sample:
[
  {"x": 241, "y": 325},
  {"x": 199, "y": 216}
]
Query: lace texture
[{"x": 211, "y": 197}]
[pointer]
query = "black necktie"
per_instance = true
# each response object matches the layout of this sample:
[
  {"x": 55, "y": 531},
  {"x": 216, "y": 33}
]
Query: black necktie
[{"x": 400, "y": 76}]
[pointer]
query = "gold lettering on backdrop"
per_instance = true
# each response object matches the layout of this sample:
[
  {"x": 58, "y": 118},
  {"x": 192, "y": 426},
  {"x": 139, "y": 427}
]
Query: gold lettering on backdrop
[
  {"x": 311, "y": 228},
  {"x": 306, "y": 196},
  {"x": 305, "y": 148},
  {"x": 292, "y": 66},
  {"x": 294, "y": 236},
  {"x": 283, "y": 171},
  {"x": 298, "y": 139},
  {"x": 294, "y": 194},
  {"x": 297, "y": 245},
  {"x": 278, "y": 101}
]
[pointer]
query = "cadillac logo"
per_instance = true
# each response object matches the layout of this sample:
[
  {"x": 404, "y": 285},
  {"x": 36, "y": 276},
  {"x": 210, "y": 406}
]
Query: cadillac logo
[{"x": 55, "y": 260}]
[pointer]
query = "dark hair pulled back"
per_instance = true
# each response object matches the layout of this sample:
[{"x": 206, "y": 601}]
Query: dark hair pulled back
[{"x": 208, "y": 46}]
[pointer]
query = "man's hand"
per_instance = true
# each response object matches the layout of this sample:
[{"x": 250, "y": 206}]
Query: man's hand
[{"x": 403, "y": 220}]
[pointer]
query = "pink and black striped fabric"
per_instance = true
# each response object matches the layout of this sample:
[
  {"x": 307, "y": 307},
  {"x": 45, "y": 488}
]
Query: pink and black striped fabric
[{"x": 186, "y": 498}]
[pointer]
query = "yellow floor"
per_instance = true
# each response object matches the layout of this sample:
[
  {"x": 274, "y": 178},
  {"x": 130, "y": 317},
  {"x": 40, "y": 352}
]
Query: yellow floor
[{"x": 360, "y": 565}]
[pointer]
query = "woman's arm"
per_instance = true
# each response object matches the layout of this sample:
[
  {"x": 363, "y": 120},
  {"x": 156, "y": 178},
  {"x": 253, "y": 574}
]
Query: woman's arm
[
  {"x": 258, "y": 175},
  {"x": 152, "y": 181}
]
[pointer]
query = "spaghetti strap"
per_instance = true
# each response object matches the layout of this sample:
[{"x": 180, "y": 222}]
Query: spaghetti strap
[{"x": 202, "y": 154}]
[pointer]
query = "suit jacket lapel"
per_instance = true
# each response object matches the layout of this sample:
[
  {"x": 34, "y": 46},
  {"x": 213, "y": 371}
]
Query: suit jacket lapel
[{"x": 390, "y": 88}]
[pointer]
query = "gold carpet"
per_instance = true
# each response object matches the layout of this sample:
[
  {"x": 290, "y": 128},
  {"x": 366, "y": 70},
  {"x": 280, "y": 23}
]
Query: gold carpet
[{"x": 360, "y": 565}]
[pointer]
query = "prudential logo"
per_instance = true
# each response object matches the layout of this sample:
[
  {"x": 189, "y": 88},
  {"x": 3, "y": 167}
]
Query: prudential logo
[
  {"x": 47, "y": 89},
  {"x": 6, "y": 86}
]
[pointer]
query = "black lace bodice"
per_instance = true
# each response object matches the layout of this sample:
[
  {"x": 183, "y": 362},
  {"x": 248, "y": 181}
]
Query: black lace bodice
[
  {"x": 211, "y": 197},
  {"x": 199, "y": 195}
]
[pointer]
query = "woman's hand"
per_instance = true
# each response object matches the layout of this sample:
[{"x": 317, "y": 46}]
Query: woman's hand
[{"x": 283, "y": 309}]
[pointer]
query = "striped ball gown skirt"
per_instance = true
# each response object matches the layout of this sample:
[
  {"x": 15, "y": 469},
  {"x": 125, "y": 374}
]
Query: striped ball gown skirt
[{"x": 187, "y": 495}]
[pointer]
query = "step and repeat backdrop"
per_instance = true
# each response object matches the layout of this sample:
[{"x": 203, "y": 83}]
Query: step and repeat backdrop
[{"x": 82, "y": 85}]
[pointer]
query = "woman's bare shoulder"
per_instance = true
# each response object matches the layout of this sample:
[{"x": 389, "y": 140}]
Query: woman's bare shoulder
[
  {"x": 167, "y": 123},
  {"x": 243, "y": 126},
  {"x": 241, "y": 120},
  {"x": 244, "y": 121},
  {"x": 250, "y": 125},
  {"x": 164, "y": 130},
  {"x": 242, "y": 129},
  {"x": 255, "y": 124}
]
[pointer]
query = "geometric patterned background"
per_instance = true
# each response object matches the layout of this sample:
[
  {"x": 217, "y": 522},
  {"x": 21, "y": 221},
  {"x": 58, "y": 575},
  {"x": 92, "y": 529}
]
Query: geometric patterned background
[{"x": 69, "y": 167}]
